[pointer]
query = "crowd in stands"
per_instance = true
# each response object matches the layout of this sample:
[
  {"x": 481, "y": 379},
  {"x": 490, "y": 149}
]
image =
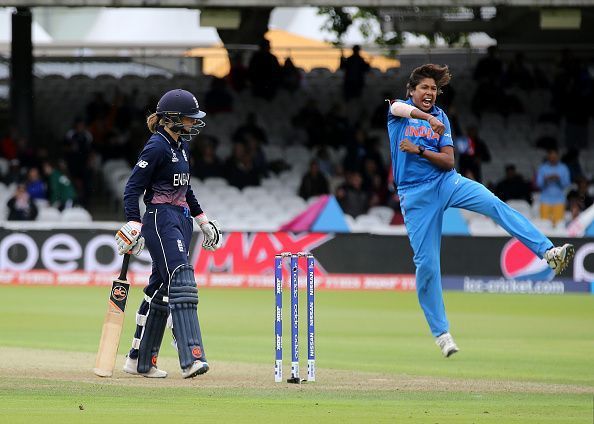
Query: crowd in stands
[{"x": 115, "y": 128}]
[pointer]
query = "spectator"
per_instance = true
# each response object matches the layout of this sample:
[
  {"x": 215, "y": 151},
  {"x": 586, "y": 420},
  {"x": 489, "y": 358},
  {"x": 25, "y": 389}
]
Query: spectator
[
  {"x": 354, "y": 68},
  {"x": 238, "y": 73},
  {"x": 489, "y": 68},
  {"x": 250, "y": 129},
  {"x": 312, "y": 121},
  {"x": 579, "y": 199},
  {"x": 8, "y": 144},
  {"x": 61, "y": 191},
  {"x": 77, "y": 148},
  {"x": 264, "y": 72},
  {"x": 572, "y": 160},
  {"x": 356, "y": 151},
  {"x": 35, "y": 185},
  {"x": 374, "y": 182},
  {"x": 218, "y": 99},
  {"x": 513, "y": 186},
  {"x": 98, "y": 108},
  {"x": 239, "y": 168},
  {"x": 313, "y": 183},
  {"x": 472, "y": 152},
  {"x": 353, "y": 200},
  {"x": 338, "y": 127},
  {"x": 20, "y": 206},
  {"x": 290, "y": 76},
  {"x": 552, "y": 179},
  {"x": 518, "y": 74},
  {"x": 324, "y": 161},
  {"x": 378, "y": 116},
  {"x": 206, "y": 163},
  {"x": 15, "y": 173},
  {"x": 488, "y": 73}
]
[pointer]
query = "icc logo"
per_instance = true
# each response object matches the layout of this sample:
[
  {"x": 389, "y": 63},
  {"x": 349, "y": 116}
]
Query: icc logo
[{"x": 119, "y": 293}]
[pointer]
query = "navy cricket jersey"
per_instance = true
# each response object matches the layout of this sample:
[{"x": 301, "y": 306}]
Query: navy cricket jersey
[
  {"x": 162, "y": 173},
  {"x": 409, "y": 168}
]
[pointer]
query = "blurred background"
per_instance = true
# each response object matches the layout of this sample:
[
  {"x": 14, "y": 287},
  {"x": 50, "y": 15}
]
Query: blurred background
[{"x": 296, "y": 107}]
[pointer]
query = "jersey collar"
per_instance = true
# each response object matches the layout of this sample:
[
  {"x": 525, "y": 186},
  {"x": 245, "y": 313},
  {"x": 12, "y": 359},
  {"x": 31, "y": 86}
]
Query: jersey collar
[{"x": 161, "y": 131}]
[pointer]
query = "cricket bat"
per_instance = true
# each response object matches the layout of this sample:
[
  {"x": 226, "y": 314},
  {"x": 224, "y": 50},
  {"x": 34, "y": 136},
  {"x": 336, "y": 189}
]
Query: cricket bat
[{"x": 113, "y": 323}]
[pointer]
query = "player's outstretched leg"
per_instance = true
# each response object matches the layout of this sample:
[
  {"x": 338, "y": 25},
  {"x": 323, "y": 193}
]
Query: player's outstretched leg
[
  {"x": 558, "y": 258},
  {"x": 183, "y": 301},
  {"x": 150, "y": 326}
]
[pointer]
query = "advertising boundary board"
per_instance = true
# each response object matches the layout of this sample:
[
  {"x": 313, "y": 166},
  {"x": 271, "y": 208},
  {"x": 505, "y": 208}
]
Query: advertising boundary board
[{"x": 87, "y": 256}]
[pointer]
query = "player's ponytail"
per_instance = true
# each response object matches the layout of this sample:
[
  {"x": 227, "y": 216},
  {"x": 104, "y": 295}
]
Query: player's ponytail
[{"x": 152, "y": 121}]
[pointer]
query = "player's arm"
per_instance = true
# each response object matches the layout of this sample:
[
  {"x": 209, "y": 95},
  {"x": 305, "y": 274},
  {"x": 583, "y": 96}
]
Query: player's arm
[
  {"x": 150, "y": 158},
  {"x": 404, "y": 110},
  {"x": 128, "y": 238},
  {"x": 443, "y": 159}
]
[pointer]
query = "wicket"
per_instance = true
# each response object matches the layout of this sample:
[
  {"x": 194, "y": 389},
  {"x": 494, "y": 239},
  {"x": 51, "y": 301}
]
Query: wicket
[{"x": 278, "y": 323}]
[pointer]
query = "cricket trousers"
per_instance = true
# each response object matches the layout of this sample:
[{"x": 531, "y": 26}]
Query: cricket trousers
[
  {"x": 423, "y": 206},
  {"x": 167, "y": 230}
]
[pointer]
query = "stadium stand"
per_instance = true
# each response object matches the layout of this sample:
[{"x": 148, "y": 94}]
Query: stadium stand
[{"x": 130, "y": 91}]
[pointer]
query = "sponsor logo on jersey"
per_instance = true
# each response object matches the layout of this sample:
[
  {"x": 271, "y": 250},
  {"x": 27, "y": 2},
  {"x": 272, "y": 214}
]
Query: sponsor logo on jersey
[
  {"x": 519, "y": 263},
  {"x": 184, "y": 153},
  {"x": 142, "y": 164},
  {"x": 181, "y": 179},
  {"x": 422, "y": 131},
  {"x": 180, "y": 245}
]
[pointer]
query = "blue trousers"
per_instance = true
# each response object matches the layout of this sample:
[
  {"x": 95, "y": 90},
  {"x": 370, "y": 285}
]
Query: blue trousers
[
  {"x": 167, "y": 231},
  {"x": 423, "y": 206}
]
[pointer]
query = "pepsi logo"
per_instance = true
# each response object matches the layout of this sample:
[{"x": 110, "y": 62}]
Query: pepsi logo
[{"x": 520, "y": 263}]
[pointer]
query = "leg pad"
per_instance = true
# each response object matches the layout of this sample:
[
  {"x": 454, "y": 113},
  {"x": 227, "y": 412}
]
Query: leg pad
[{"x": 183, "y": 302}]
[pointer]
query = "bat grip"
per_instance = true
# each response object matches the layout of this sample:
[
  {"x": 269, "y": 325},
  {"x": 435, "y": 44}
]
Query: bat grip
[{"x": 124, "y": 270}]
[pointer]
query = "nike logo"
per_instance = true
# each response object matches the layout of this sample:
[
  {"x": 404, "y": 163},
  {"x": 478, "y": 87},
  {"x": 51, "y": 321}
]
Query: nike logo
[{"x": 457, "y": 181}]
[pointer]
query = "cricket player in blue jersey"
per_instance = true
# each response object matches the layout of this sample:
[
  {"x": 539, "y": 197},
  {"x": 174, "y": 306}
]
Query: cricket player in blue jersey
[
  {"x": 423, "y": 168},
  {"x": 162, "y": 174}
]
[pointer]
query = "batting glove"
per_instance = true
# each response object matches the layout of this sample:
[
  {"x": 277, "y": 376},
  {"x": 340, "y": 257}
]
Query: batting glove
[
  {"x": 213, "y": 237},
  {"x": 128, "y": 238}
]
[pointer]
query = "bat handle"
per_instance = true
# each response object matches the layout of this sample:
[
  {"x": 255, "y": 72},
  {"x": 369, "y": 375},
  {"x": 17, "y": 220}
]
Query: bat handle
[{"x": 124, "y": 270}]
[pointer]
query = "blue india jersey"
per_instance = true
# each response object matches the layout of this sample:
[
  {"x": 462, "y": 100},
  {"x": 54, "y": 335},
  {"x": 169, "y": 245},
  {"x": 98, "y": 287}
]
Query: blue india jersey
[{"x": 409, "y": 168}]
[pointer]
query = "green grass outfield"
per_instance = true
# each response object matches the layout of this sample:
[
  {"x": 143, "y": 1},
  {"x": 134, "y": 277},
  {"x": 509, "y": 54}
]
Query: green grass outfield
[{"x": 523, "y": 359}]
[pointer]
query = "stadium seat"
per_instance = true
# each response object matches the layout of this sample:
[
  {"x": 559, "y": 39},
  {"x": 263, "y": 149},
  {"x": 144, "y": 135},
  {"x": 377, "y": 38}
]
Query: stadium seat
[
  {"x": 49, "y": 214},
  {"x": 76, "y": 215},
  {"x": 384, "y": 213}
]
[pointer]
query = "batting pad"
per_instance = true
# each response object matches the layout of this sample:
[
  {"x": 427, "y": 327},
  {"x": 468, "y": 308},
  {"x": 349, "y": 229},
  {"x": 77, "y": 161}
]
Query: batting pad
[
  {"x": 152, "y": 335},
  {"x": 183, "y": 302}
]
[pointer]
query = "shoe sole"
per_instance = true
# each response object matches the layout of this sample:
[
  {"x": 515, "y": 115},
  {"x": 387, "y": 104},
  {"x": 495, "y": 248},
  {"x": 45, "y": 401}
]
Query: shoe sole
[
  {"x": 199, "y": 371},
  {"x": 451, "y": 352},
  {"x": 569, "y": 254}
]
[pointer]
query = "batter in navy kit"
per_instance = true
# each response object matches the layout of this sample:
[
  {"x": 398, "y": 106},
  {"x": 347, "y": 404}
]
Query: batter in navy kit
[{"x": 162, "y": 173}]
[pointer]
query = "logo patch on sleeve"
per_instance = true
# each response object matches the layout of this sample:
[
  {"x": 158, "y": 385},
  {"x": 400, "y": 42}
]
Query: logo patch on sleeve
[
  {"x": 180, "y": 245},
  {"x": 142, "y": 164}
]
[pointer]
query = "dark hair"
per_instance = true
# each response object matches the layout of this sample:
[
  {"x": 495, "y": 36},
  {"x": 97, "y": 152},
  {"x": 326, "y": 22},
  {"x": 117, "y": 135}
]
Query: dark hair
[{"x": 440, "y": 74}]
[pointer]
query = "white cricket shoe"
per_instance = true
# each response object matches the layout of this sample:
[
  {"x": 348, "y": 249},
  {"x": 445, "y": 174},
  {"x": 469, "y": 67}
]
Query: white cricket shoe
[
  {"x": 131, "y": 367},
  {"x": 197, "y": 368},
  {"x": 446, "y": 344},
  {"x": 558, "y": 258}
]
